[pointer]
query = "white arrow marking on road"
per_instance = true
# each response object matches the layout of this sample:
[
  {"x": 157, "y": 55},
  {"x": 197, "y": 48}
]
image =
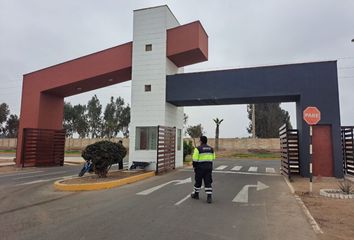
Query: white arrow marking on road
[
  {"x": 187, "y": 180},
  {"x": 185, "y": 198},
  {"x": 242, "y": 196},
  {"x": 153, "y": 189}
]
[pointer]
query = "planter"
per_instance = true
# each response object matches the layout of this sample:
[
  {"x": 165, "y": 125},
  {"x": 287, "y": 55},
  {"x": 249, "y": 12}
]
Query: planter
[{"x": 335, "y": 193}]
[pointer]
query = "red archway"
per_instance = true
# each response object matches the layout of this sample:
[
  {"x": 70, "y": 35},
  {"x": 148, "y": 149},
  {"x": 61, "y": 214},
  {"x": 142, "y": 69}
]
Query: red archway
[{"x": 43, "y": 91}]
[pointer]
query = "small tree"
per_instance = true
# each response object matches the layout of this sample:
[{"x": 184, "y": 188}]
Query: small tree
[
  {"x": 103, "y": 154},
  {"x": 4, "y": 112},
  {"x": 195, "y": 132},
  {"x": 11, "y": 128},
  {"x": 68, "y": 121},
  {"x": 187, "y": 149},
  {"x": 217, "y": 122},
  {"x": 124, "y": 121},
  {"x": 80, "y": 120},
  {"x": 94, "y": 120}
]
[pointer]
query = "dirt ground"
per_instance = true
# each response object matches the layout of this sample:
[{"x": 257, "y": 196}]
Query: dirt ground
[
  {"x": 10, "y": 169},
  {"x": 335, "y": 216},
  {"x": 93, "y": 178}
]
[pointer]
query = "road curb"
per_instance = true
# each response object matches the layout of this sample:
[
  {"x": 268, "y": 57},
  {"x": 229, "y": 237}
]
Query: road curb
[
  {"x": 317, "y": 229},
  {"x": 103, "y": 185}
]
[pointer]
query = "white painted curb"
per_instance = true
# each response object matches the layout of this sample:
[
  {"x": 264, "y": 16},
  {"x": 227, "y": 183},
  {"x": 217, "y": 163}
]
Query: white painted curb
[{"x": 334, "y": 193}]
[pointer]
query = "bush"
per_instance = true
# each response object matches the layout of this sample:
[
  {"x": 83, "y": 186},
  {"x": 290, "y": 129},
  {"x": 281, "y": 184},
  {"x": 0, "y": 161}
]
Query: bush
[
  {"x": 187, "y": 149},
  {"x": 103, "y": 154},
  {"x": 346, "y": 186}
]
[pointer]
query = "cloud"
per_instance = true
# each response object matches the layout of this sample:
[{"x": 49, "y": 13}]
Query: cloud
[{"x": 36, "y": 34}]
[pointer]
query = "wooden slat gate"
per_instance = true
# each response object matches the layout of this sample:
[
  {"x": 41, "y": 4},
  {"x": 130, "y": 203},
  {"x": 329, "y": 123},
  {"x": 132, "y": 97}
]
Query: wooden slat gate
[
  {"x": 166, "y": 149},
  {"x": 43, "y": 147},
  {"x": 348, "y": 148},
  {"x": 289, "y": 146}
]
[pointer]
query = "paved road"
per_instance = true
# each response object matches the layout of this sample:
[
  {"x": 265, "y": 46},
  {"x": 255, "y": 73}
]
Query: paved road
[{"x": 135, "y": 211}]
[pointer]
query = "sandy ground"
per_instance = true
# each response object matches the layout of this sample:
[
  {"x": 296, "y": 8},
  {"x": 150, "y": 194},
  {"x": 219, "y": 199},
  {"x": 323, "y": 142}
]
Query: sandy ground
[{"x": 335, "y": 216}]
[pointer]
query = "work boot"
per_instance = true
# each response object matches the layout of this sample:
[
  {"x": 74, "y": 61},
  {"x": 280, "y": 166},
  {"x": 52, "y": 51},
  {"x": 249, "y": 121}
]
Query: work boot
[
  {"x": 209, "y": 199},
  {"x": 195, "y": 195}
]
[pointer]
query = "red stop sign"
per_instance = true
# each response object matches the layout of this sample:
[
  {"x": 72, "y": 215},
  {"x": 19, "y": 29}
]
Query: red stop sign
[{"x": 312, "y": 115}]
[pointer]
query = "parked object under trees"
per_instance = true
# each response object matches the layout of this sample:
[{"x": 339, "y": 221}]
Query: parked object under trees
[{"x": 103, "y": 155}]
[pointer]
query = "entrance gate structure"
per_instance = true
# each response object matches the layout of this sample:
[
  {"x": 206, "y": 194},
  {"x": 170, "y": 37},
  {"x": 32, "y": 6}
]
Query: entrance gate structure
[{"x": 154, "y": 62}]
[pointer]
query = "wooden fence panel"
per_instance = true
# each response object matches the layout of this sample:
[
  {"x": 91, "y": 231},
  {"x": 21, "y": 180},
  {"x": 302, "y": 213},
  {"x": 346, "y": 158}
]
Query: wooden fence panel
[
  {"x": 289, "y": 147},
  {"x": 348, "y": 149},
  {"x": 166, "y": 149},
  {"x": 43, "y": 147}
]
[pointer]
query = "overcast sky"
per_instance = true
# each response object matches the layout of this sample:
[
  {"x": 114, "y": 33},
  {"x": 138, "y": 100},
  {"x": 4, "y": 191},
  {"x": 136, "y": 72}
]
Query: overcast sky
[{"x": 38, "y": 33}]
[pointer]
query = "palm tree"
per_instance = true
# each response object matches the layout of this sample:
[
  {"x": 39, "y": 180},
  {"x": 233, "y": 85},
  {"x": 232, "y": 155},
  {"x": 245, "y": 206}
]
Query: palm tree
[{"x": 217, "y": 122}]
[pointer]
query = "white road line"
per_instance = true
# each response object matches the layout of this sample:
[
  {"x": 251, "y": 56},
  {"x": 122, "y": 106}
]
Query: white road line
[
  {"x": 222, "y": 167},
  {"x": 240, "y": 173},
  {"x": 48, "y": 174},
  {"x": 292, "y": 190},
  {"x": 43, "y": 180},
  {"x": 153, "y": 189},
  {"x": 186, "y": 197},
  {"x": 236, "y": 168},
  {"x": 270, "y": 170},
  {"x": 313, "y": 222},
  {"x": 182, "y": 200},
  {"x": 18, "y": 174},
  {"x": 253, "y": 169}
]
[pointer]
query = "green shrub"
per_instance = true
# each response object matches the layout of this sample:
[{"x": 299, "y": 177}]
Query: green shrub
[
  {"x": 346, "y": 186},
  {"x": 187, "y": 149},
  {"x": 103, "y": 154}
]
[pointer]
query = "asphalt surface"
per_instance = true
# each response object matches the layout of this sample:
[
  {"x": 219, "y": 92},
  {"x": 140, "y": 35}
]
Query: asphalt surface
[{"x": 135, "y": 211}]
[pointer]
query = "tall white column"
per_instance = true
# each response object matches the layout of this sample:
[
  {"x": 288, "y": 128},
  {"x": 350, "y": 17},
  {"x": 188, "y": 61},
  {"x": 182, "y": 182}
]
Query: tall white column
[{"x": 149, "y": 69}]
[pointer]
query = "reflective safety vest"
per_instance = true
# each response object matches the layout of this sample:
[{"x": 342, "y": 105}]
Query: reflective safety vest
[{"x": 203, "y": 153}]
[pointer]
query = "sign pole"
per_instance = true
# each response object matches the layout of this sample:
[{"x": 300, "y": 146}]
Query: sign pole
[
  {"x": 311, "y": 116},
  {"x": 310, "y": 159}
]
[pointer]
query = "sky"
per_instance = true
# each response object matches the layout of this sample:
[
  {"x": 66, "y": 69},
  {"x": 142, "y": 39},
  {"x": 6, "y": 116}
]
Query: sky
[{"x": 35, "y": 34}]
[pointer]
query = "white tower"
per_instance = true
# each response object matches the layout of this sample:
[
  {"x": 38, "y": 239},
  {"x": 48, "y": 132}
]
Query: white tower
[{"x": 150, "y": 66}]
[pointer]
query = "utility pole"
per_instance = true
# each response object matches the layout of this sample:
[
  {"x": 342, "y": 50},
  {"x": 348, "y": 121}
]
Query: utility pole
[{"x": 253, "y": 120}]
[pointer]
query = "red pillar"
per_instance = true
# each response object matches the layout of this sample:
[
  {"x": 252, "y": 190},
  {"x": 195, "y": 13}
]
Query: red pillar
[{"x": 38, "y": 110}]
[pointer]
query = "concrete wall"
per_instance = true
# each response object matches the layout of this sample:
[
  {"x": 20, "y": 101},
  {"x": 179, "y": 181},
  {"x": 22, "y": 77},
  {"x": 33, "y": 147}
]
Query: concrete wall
[
  {"x": 271, "y": 144},
  {"x": 8, "y": 143}
]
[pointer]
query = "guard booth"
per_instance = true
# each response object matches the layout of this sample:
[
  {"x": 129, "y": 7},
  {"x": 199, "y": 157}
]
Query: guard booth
[{"x": 154, "y": 61}]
